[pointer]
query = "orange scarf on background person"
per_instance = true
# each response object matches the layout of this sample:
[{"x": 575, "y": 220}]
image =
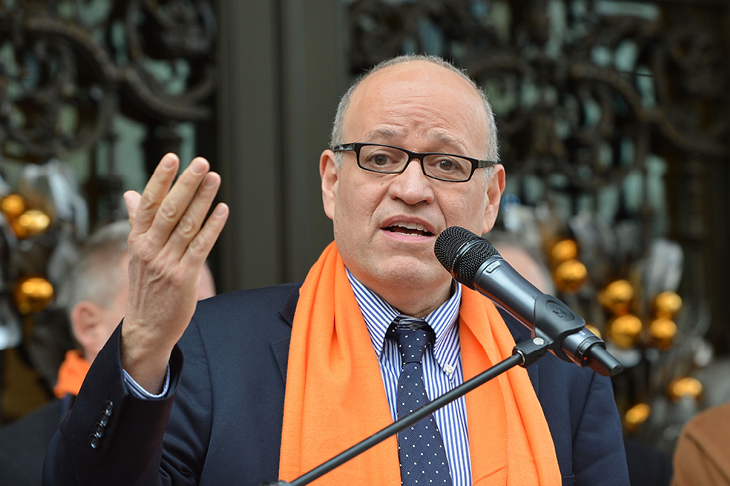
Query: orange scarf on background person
[
  {"x": 335, "y": 396},
  {"x": 71, "y": 374}
]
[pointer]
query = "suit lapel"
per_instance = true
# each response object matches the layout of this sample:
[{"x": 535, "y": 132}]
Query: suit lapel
[
  {"x": 281, "y": 354},
  {"x": 280, "y": 348}
]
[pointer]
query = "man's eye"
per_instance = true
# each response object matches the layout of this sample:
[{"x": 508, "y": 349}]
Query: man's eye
[
  {"x": 447, "y": 165},
  {"x": 380, "y": 159}
]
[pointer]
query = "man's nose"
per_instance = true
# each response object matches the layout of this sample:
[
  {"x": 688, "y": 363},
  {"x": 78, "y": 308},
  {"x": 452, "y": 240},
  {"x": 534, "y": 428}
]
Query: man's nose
[{"x": 412, "y": 186}]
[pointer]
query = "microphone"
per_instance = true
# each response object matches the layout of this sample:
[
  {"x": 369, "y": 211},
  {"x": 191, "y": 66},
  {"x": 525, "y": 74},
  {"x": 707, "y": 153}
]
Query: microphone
[{"x": 474, "y": 262}]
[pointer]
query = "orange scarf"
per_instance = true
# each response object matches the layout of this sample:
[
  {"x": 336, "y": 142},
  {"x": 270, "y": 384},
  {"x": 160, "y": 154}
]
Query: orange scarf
[
  {"x": 335, "y": 395},
  {"x": 71, "y": 374}
]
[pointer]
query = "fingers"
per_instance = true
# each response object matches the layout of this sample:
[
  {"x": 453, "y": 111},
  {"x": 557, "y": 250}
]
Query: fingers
[
  {"x": 168, "y": 221},
  {"x": 189, "y": 225},
  {"x": 154, "y": 193},
  {"x": 169, "y": 242},
  {"x": 131, "y": 200},
  {"x": 162, "y": 209},
  {"x": 200, "y": 246}
]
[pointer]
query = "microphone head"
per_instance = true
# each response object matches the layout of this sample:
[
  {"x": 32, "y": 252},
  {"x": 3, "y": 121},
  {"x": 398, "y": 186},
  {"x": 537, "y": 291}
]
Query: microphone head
[{"x": 461, "y": 252}]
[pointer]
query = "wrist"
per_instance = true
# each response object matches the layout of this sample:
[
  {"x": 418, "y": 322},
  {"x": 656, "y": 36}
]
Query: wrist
[{"x": 144, "y": 357}]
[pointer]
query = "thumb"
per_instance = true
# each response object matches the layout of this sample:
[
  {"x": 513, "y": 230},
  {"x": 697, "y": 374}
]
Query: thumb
[{"x": 131, "y": 200}]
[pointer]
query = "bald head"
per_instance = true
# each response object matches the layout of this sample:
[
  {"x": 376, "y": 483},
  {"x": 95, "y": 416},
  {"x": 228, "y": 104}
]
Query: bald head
[{"x": 401, "y": 63}]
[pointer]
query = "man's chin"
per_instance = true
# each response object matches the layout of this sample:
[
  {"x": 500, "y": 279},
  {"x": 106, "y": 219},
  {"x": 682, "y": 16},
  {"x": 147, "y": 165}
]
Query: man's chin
[{"x": 411, "y": 274}]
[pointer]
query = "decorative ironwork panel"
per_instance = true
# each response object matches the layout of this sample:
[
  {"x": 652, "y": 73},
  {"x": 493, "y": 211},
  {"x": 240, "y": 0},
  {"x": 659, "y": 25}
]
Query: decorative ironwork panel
[{"x": 66, "y": 65}]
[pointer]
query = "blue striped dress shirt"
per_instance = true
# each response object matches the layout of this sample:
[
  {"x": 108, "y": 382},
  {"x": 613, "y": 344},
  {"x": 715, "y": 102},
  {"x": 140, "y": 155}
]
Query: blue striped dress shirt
[{"x": 441, "y": 369}]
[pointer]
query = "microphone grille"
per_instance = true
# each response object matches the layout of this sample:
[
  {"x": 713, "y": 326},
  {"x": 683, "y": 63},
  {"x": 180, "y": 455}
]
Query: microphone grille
[
  {"x": 462, "y": 252},
  {"x": 449, "y": 242}
]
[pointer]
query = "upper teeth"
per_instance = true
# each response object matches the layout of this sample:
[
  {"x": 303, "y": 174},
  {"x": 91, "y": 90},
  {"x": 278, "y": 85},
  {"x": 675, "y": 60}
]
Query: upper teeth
[{"x": 411, "y": 226}]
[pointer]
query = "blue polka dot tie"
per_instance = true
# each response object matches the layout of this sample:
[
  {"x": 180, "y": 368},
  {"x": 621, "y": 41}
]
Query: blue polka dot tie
[{"x": 420, "y": 447}]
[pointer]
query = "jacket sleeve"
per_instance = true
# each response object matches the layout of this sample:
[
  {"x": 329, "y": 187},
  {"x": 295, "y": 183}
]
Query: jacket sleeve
[
  {"x": 111, "y": 437},
  {"x": 598, "y": 450},
  {"x": 584, "y": 423}
]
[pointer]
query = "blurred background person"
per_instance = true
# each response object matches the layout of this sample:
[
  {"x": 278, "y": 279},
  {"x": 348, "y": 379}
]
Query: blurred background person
[
  {"x": 95, "y": 295},
  {"x": 702, "y": 455}
]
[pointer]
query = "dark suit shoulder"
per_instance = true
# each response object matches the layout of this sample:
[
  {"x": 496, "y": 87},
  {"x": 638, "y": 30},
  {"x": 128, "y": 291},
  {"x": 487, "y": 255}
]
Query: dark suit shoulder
[
  {"x": 248, "y": 318},
  {"x": 260, "y": 302},
  {"x": 257, "y": 296}
]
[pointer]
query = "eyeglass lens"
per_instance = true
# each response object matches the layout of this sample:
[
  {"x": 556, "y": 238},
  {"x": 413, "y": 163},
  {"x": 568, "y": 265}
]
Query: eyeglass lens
[{"x": 390, "y": 160}]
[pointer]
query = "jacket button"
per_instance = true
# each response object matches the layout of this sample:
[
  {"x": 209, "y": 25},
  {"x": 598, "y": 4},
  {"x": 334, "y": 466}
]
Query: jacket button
[
  {"x": 98, "y": 430},
  {"x": 93, "y": 441},
  {"x": 108, "y": 407},
  {"x": 104, "y": 419}
]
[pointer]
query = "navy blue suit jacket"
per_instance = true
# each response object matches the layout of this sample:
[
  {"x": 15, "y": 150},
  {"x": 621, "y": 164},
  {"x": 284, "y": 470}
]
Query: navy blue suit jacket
[{"x": 221, "y": 421}]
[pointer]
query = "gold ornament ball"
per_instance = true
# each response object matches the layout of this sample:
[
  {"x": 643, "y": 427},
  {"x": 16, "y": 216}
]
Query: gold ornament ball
[
  {"x": 624, "y": 331},
  {"x": 662, "y": 332},
  {"x": 570, "y": 276},
  {"x": 636, "y": 415},
  {"x": 12, "y": 205},
  {"x": 31, "y": 223},
  {"x": 594, "y": 330},
  {"x": 563, "y": 250},
  {"x": 685, "y": 387},
  {"x": 33, "y": 294},
  {"x": 667, "y": 304},
  {"x": 617, "y": 297}
]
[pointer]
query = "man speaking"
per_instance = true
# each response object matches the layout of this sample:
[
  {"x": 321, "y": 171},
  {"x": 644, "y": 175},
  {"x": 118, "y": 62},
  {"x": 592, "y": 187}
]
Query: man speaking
[{"x": 276, "y": 381}]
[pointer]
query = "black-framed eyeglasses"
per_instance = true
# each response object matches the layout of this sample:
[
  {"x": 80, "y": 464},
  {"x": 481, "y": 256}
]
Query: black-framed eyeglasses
[{"x": 387, "y": 159}]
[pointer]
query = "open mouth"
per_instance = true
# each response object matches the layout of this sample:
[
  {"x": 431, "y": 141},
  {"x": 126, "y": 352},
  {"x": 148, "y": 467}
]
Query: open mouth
[{"x": 409, "y": 229}]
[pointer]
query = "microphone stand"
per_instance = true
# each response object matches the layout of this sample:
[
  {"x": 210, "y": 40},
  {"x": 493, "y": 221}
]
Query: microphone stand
[{"x": 523, "y": 354}]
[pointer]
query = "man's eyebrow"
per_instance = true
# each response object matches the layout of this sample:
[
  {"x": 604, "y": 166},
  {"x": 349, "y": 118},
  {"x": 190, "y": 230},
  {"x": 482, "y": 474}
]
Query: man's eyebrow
[
  {"x": 384, "y": 132},
  {"x": 389, "y": 133},
  {"x": 449, "y": 139}
]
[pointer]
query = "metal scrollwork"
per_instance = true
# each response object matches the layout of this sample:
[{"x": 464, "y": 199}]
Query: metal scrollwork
[
  {"x": 692, "y": 85},
  {"x": 66, "y": 68},
  {"x": 578, "y": 92},
  {"x": 54, "y": 88},
  {"x": 160, "y": 35}
]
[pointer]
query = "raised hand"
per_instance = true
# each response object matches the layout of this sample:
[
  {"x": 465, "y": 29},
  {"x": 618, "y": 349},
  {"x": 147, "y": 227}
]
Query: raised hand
[{"x": 168, "y": 244}]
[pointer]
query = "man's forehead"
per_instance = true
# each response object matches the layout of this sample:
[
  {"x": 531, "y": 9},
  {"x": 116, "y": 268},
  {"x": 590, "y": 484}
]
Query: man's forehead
[{"x": 378, "y": 97}]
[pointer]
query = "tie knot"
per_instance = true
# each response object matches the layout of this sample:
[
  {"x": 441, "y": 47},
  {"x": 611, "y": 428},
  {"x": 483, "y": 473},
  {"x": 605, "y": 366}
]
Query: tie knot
[{"x": 413, "y": 336}]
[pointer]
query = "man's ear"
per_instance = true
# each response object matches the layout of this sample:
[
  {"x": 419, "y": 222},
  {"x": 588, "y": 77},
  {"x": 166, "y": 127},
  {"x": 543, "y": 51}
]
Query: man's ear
[
  {"x": 495, "y": 188},
  {"x": 329, "y": 174},
  {"x": 85, "y": 321}
]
